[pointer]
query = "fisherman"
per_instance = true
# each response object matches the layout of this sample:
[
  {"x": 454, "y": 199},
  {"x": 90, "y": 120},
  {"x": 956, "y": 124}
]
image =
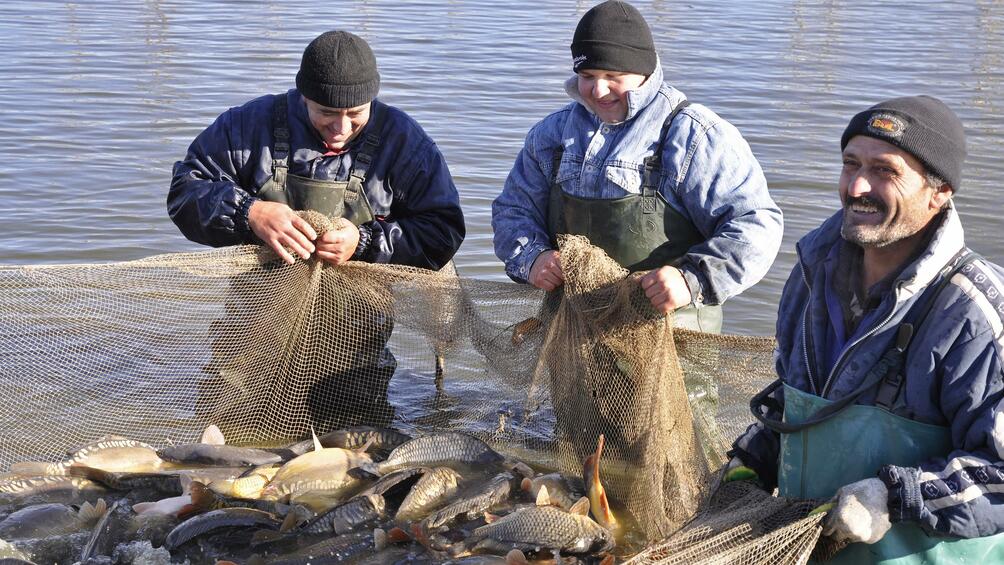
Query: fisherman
[
  {"x": 327, "y": 145},
  {"x": 662, "y": 185},
  {"x": 330, "y": 146},
  {"x": 889, "y": 356}
]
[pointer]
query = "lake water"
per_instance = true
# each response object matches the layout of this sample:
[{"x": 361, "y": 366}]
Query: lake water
[{"x": 98, "y": 99}]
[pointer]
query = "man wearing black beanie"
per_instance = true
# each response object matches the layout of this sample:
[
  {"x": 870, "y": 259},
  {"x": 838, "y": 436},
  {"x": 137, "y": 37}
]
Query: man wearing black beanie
[
  {"x": 889, "y": 353},
  {"x": 327, "y": 145},
  {"x": 660, "y": 184},
  {"x": 330, "y": 146}
]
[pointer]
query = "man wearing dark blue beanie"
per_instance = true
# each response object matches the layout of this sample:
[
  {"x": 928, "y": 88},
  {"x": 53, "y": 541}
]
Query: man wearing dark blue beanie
[{"x": 889, "y": 356}]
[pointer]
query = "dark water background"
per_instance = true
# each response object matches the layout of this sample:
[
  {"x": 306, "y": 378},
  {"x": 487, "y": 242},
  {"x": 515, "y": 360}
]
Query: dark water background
[{"x": 98, "y": 99}]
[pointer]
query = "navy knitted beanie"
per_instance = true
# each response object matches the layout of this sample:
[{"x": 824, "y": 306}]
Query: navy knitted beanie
[
  {"x": 338, "y": 70},
  {"x": 920, "y": 125}
]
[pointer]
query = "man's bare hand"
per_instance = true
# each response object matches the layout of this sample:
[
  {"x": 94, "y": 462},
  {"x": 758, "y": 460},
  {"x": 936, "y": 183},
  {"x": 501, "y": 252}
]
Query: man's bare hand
[
  {"x": 666, "y": 288},
  {"x": 545, "y": 273},
  {"x": 279, "y": 227},
  {"x": 338, "y": 244}
]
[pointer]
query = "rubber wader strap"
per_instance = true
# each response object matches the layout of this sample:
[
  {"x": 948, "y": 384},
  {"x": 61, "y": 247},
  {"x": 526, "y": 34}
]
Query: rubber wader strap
[
  {"x": 891, "y": 362},
  {"x": 653, "y": 163},
  {"x": 360, "y": 165},
  {"x": 280, "y": 151}
]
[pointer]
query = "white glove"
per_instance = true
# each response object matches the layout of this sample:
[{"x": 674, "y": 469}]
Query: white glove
[{"x": 861, "y": 514}]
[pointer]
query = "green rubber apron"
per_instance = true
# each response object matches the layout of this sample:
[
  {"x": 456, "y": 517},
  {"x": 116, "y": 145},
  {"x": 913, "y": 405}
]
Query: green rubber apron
[
  {"x": 639, "y": 231},
  {"x": 826, "y": 445},
  {"x": 335, "y": 199}
]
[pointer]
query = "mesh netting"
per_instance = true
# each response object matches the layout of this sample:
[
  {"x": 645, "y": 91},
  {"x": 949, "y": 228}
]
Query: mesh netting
[{"x": 158, "y": 349}]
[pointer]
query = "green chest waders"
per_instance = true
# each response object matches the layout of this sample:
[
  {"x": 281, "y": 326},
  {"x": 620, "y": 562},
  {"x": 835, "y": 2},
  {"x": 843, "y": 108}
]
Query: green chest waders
[
  {"x": 828, "y": 444},
  {"x": 639, "y": 231},
  {"x": 335, "y": 199}
]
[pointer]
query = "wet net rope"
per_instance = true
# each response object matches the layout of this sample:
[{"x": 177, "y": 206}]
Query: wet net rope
[{"x": 157, "y": 349}]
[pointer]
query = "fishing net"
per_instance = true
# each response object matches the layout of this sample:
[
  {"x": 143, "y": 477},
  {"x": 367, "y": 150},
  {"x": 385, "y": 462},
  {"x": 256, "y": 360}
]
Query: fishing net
[{"x": 157, "y": 349}]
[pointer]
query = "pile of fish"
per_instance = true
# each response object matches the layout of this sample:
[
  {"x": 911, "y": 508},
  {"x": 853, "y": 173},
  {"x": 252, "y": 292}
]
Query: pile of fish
[{"x": 360, "y": 495}]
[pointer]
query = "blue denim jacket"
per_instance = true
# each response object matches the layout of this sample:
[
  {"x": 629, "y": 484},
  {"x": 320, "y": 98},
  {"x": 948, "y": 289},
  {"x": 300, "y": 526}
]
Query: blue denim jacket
[
  {"x": 954, "y": 375},
  {"x": 418, "y": 217},
  {"x": 710, "y": 177}
]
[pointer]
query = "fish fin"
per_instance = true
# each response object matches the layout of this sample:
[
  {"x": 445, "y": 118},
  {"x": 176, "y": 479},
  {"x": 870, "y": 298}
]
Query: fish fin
[
  {"x": 489, "y": 518},
  {"x": 608, "y": 560},
  {"x": 141, "y": 507},
  {"x": 92, "y": 512},
  {"x": 581, "y": 507},
  {"x": 365, "y": 471},
  {"x": 516, "y": 557},
  {"x": 397, "y": 535},
  {"x": 213, "y": 436},
  {"x": 187, "y": 511},
  {"x": 526, "y": 484},
  {"x": 289, "y": 522},
  {"x": 202, "y": 496},
  {"x": 362, "y": 448},
  {"x": 522, "y": 469},
  {"x": 379, "y": 539},
  {"x": 28, "y": 468},
  {"x": 317, "y": 441},
  {"x": 543, "y": 496}
]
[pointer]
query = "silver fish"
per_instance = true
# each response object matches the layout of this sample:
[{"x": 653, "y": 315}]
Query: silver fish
[
  {"x": 332, "y": 550},
  {"x": 167, "y": 482},
  {"x": 211, "y": 454},
  {"x": 59, "y": 486},
  {"x": 434, "y": 488},
  {"x": 563, "y": 491},
  {"x": 349, "y": 516},
  {"x": 376, "y": 439},
  {"x": 324, "y": 469},
  {"x": 541, "y": 529},
  {"x": 47, "y": 520},
  {"x": 490, "y": 495},
  {"x": 114, "y": 454},
  {"x": 223, "y": 518},
  {"x": 438, "y": 449}
]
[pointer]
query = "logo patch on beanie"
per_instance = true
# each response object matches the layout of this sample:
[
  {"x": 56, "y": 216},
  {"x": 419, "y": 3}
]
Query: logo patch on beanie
[
  {"x": 576, "y": 61},
  {"x": 886, "y": 125}
]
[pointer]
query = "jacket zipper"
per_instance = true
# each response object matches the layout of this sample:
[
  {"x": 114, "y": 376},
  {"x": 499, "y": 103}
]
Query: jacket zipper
[
  {"x": 875, "y": 328},
  {"x": 805, "y": 329}
]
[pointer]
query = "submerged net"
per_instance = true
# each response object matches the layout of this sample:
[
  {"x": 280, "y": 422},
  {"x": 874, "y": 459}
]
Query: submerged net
[{"x": 158, "y": 349}]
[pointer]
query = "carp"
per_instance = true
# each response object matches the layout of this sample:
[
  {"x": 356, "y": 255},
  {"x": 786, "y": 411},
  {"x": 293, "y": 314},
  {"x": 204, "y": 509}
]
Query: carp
[
  {"x": 53, "y": 519},
  {"x": 541, "y": 529},
  {"x": 437, "y": 449}
]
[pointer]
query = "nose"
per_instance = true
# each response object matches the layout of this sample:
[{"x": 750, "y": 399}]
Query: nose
[
  {"x": 858, "y": 186},
  {"x": 600, "y": 88},
  {"x": 341, "y": 125}
]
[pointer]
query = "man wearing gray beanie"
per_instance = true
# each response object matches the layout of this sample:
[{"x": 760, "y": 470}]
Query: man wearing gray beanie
[
  {"x": 660, "y": 184},
  {"x": 327, "y": 145},
  {"x": 889, "y": 356}
]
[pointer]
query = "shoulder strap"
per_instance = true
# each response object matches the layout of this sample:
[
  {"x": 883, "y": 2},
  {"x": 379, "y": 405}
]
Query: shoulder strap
[
  {"x": 364, "y": 157},
  {"x": 653, "y": 163},
  {"x": 887, "y": 368},
  {"x": 280, "y": 150}
]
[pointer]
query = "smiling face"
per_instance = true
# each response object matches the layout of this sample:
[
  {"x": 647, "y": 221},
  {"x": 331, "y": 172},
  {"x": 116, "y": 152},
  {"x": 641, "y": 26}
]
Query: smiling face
[
  {"x": 605, "y": 92},
  {"x": 885, "y": 194},
  {"x": 337, "y": 126}
]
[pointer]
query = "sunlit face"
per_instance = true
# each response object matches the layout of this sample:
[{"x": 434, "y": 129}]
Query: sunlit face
[
  {"x": 605, "y": 92},
  {"x": 337, "y": 126},
  {"x": 885, "y": 194}
]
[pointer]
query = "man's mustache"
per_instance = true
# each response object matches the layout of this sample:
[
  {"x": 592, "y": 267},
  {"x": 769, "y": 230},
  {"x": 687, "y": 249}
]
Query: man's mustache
[{"x": 865, "y": 201}]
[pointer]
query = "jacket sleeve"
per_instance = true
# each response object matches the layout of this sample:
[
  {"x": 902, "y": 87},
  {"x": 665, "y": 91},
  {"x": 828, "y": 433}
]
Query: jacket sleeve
[
  {"x": 519, "y": 213},
  {"x": 962, "y": 494},
  {"x": 725, "y": 195},
  {"x": 209, "y": 198},
  {"x": 426, "y": 224}
]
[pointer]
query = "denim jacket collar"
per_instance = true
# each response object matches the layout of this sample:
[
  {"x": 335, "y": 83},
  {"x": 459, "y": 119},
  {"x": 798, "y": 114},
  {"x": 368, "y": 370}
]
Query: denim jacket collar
[{"x": 636, "y": 99}]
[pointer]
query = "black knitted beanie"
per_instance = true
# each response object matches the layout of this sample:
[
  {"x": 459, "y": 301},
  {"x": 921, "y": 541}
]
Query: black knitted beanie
[
  {"x": 920, "y": 125},
  {"x": 338, "y": 70},
  {"x": 613, "y": 36}
]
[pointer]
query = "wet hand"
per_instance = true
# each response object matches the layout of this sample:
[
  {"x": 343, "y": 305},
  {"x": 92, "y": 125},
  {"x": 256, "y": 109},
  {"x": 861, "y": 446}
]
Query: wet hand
[
  {"x": 545, "y": 273},
  {"x": 861, "y": 513},
  {"x": 281, "y": 229},
  {"x": 666, "y": 289},
  {"x": 338, "y": 244}
]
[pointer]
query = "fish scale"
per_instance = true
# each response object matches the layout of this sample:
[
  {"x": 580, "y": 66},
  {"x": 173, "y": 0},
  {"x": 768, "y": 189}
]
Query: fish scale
[
  {"x": 439, "y": 449},
  {"x": 430, "y": 491},
  {"x": 492, "y": 494},
  {"x": 542, "y": 528},
  {"x": 346, "y": 517}
]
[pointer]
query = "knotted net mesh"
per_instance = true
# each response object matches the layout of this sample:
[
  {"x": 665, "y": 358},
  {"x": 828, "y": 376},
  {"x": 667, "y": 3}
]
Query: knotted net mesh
[{"x": 157, "y": 349}]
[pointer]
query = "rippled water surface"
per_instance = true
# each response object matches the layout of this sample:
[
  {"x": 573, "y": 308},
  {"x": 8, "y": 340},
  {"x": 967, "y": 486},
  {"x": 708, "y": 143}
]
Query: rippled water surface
[{"x": 98, "y": 99}]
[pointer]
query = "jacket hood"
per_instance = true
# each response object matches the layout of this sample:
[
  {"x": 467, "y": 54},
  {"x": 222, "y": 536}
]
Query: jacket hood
[
  {"x": 636, "y": 99},
  {"x": 947, "y": 241}
]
